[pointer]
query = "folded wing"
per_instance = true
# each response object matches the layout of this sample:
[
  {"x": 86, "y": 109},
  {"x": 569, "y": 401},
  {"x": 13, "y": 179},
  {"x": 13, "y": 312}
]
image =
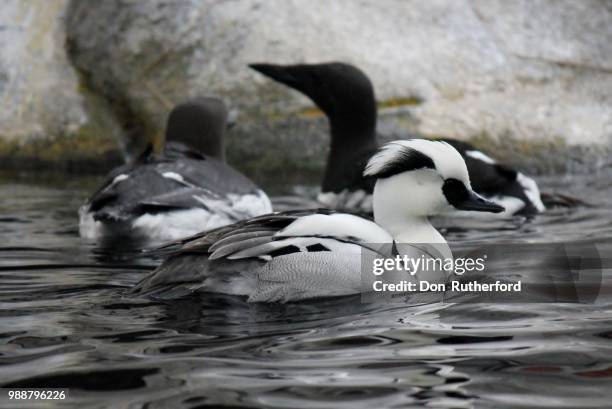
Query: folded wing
[{"x": 281, "y": 256}]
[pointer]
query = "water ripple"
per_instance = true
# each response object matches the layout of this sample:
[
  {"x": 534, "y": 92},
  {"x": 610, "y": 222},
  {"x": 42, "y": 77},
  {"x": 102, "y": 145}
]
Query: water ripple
[{"x": 65, "y": 322}]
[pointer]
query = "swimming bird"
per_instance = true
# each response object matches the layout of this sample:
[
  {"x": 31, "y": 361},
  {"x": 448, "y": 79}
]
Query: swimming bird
[
  {"x": 346, "y": 95},
  {"x": 301, "y": 254},
  {"x": 186, "y": 189}
]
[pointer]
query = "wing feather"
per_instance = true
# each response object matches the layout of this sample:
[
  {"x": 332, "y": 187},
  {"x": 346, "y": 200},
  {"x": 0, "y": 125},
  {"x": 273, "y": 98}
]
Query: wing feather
[
  {"x": 233, "y": 250},
  {"x": 247, "y": 234}
]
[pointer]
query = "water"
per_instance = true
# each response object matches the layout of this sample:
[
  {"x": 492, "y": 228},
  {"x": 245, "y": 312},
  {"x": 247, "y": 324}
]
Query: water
[{"x": 64, "y": 322}]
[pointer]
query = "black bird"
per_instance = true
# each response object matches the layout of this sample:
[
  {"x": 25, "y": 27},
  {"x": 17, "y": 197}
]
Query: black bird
[
  {"x": 346, "y": 95},
  {"x": 186, "y": 189}
]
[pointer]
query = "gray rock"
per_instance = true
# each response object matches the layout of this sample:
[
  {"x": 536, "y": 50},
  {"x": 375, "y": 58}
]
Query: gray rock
[
  {"x": 46, "y": 115},
  {"x": 524, "y": 76}
]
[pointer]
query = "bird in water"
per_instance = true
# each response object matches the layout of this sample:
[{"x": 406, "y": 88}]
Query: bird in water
[
  {"x": 302, "y": 254},
  {"x": 185, "y": 189},
  {"x": 346, "y": 95}
]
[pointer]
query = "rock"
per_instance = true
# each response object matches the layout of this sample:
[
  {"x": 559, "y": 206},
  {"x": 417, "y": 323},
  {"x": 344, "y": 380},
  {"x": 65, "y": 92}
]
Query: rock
[
  {"x": 47, "y": 117},
  {"x": 533, "y": 77},
  {"x": 534, "y": 71}
]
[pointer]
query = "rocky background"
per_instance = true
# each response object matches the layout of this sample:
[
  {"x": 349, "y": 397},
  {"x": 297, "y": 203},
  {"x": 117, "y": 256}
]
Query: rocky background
[{"x": 85, "y": 84}]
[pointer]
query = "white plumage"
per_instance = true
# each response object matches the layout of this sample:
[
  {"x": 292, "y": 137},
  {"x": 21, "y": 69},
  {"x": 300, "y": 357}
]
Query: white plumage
[
  {"x": 481, "y": 157},
  {"x": 531, "y": 191}
]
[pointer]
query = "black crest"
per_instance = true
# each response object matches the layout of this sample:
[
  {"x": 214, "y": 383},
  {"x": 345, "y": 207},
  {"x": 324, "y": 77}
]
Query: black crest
[{"x": 406, "y": 159}]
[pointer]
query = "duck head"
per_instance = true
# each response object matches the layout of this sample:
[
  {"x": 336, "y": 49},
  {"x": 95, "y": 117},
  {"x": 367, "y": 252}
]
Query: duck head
[
  {"x": 419, "y": 178},
  {"x": 199, "y": 123}
]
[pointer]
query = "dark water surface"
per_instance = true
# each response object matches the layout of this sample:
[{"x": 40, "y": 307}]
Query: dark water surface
[{"x": 64, "y": 322}]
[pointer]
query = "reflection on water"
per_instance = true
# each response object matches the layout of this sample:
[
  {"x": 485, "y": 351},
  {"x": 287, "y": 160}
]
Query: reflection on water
[{"x": 64, "y": 322}]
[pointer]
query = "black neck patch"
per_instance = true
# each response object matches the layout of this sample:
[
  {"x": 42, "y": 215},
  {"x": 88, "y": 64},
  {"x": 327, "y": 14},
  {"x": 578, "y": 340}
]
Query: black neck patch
[
  {"x": 406, "y": 160},
  {"x": 455, "y": 191}
]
